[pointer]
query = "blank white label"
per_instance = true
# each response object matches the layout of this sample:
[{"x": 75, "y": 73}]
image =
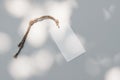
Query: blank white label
[{"x": 67, "y": 41}]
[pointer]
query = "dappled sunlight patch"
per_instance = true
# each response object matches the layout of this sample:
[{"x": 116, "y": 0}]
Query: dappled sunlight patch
[
  {"x": 38, "y": 35},
  {"x": 108, "y": 13},
  {"x": 25, "y": 67},
  {"x": 5, "y": 42},
  {"x": 17, "y": 8},
  {"x": 21, "y": 68},
  {"x": 113, "y": 74},
  {"x": 43, "y": 61}
]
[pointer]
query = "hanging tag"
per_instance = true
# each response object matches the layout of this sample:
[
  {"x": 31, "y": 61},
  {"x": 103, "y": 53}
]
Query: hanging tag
[{"x": 67, "y": 41}]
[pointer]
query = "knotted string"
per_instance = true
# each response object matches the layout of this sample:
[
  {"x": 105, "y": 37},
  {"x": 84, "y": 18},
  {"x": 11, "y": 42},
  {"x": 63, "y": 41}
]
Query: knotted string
[{"x": 21, "y": 44}]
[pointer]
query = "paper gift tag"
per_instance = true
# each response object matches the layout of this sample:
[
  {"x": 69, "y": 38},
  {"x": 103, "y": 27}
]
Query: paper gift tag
[{"x": 67, "y": 41}]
